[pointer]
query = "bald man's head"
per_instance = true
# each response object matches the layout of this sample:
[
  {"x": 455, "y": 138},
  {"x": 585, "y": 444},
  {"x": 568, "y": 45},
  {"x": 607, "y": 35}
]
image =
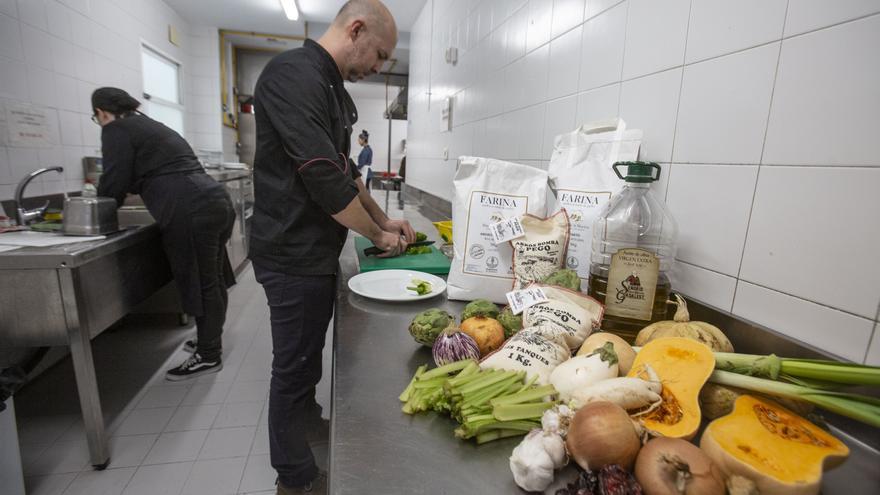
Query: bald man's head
[{"x": 361, "y": 38}]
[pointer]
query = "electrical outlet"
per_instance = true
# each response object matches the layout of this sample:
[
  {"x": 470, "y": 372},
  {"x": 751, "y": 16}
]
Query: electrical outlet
[{"x": 446, "y": 153}]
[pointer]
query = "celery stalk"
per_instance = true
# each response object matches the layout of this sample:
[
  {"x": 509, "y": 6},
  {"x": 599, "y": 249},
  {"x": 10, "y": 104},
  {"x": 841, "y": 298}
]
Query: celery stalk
[
  {"x": 497, "y": 377},
  {"x": 490, "y": 436},
  {"x": 404, "y": 396},
  {"x": 513, "y": 412},
  {"x": 446, "y": 369},
  {"x": 774, "y": 367},
  {"x": 525, "y": 396}
]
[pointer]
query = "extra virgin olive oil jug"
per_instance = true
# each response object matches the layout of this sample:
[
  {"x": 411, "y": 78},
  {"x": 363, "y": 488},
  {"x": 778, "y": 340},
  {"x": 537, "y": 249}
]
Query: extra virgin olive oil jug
[{"x": 632, "y": 255}]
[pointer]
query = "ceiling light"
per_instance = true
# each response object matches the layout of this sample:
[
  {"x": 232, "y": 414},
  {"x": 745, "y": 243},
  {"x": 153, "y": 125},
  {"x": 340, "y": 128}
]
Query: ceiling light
[{"x": 290, "y": 9}]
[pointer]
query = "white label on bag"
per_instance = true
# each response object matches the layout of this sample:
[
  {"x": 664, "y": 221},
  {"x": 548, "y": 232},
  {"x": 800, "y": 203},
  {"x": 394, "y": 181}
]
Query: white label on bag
[
  {"x": 481, "y": 255},
  {"x": 522, "y": 299},
  {"x": 507, "y": 230},
  {"x": 583, "y": 208}
]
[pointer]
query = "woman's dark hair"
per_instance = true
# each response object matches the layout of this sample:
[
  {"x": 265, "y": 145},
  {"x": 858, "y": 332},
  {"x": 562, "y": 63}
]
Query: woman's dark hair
[
  {"x": 114, "y": 100},
  {"x": 365, "y": 135}
]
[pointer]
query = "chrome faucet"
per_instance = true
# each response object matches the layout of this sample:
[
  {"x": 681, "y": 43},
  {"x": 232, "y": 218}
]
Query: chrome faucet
[{"x": 27, "y": 216}]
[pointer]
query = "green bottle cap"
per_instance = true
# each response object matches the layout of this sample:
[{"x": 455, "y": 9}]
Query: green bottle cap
[{"x": 639, "y": 172}]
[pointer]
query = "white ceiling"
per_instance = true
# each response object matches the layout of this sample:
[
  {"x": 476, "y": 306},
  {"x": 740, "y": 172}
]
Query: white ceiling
[{"x": 266, "y": 16}]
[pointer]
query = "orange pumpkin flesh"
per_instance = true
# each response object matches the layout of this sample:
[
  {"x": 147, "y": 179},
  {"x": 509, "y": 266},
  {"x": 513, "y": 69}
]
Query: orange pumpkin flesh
[
  {"x": 683, "y": 366},
  {"x": 783, "y": 453}
]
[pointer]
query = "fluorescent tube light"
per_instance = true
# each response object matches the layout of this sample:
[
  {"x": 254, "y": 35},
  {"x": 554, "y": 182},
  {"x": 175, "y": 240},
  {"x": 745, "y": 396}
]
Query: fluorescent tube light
[{"x": 290, "y": 9}]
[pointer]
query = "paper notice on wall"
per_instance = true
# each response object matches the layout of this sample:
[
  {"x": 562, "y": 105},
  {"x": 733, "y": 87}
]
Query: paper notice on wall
[{"x": 28, "y": 126}]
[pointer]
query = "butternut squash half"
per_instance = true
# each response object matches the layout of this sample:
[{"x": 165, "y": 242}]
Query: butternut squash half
[
  {"x": 683, "y": 366},
  {"x": 781, "y": 452}
]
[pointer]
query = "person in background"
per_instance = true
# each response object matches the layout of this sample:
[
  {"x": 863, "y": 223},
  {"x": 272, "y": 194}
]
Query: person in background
[
  {"x": 306, "y": 197},
  {"x": 365, "y": 158},
  {"x": 194, "y": 213}
]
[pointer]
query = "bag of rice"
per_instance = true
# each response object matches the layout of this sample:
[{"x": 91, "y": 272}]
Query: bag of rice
[
  {"x": 537, "y": 351},
  {"x": 541, "y": 251},
  {"x": 580, "y": 170},
  {"x": 575, "y": 313},
  {"x": 487, "y": 191}
]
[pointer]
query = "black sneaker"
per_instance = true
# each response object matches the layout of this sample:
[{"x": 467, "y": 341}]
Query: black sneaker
[
  {"x": 317, "y": 486},
  {"x": 191, "y": 345},
  {"x": 194, "y": 366}
]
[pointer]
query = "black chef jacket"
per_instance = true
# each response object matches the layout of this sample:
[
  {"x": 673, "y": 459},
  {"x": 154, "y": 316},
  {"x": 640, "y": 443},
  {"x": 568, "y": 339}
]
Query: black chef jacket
[
  {"x": 143, "y": 156},
  {"x": 302, "y": 175}
]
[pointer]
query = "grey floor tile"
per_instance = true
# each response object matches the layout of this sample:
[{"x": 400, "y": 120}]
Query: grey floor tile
[
  {"x": 51, "y": 484},
  {"x": 44, "y": 429},
  {"x": 159, "y": 479},
  {"x": 258, "y": 475},
  {"x": 144, "y": 421},
  {"x": 239, "y": 414},
  {"x": 256, "y": 391},
  {"x": 30, "y": 452},
  {"x": 188, "y": 418},
  {"x": 215, "y": 477},
  {"x": 130, "y": 451},
  {"x": 228, "y": 442},
  {"x": 254, "y": 372},
  {"x": 261, "y": 441},
  {"x": 170, "y": 396},
  {"x": 107, "y": 482},
  {"x": 207, "y": 393},
  {"x": 60, "y": 457},
  {"x": 178, "y": 446}
]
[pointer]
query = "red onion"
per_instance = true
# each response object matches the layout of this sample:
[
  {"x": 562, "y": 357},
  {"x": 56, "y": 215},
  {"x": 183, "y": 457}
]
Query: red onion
[{"x": 453, "y": 345}]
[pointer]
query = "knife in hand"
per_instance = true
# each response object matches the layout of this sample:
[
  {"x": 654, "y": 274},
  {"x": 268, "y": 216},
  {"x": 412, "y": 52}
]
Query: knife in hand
[{"x": 373, "y": 250}]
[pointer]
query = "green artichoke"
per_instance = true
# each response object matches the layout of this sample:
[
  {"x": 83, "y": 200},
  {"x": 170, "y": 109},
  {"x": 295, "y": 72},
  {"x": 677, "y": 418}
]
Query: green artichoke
[
  {"x": 480, "y": 307},
  {"x": 512, "y": 323},
  {"x": 565, "y": 277},
  {"x": 427, "y": 325}
]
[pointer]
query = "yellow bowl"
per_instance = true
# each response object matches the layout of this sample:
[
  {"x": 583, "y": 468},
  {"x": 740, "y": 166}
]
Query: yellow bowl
[{"x": 445, "y": 230}]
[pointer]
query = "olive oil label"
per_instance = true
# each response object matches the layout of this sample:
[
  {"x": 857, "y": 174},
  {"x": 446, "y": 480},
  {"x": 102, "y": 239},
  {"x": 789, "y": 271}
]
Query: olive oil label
[
  {"x": 482, "y": 255},
  {"x": 632, "y": 282}
]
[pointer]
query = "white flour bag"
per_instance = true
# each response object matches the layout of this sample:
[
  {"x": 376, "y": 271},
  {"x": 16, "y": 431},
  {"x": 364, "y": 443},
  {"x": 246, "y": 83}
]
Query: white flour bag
[
  {"x": 536, "y": 350},
  {"x": 487, "y": 191},
  {"x": 575, "y": 313},
  {"x": 580, "y": 170}
]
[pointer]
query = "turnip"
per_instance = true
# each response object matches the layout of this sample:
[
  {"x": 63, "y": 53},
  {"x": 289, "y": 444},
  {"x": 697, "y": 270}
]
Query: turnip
[
  {"x": 627, "y": 392},
  {"x": 581, "y": 372}
]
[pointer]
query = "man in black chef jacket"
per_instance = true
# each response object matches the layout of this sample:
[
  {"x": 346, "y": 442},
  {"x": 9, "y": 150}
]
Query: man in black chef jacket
[{"x": 307, "y": 196}]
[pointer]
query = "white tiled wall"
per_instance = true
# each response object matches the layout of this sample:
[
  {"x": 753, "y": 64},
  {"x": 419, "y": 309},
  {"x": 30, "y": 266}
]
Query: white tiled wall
[
  {"x": 54, "y": 53},
  {"x": 763, "y": 114}
]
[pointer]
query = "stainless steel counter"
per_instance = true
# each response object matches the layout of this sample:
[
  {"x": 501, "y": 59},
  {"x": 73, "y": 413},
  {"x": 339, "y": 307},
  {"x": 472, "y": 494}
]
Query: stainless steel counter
[
  {"x": 377, "y": 448},
  {"x": 67, "y": 295}
]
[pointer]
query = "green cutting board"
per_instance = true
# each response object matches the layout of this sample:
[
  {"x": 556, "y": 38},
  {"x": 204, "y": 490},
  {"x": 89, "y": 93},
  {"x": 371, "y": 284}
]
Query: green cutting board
[{"x": 434, "y": 262}]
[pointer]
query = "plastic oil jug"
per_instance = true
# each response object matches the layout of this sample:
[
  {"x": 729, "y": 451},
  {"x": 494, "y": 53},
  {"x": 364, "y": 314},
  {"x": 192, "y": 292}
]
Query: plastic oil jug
[{"x": 634, "y": 241}]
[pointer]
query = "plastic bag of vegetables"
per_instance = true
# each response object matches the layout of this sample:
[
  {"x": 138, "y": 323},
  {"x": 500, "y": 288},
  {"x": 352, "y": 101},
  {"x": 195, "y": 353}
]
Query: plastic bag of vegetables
[
  {"x": 575, "y": 313},
  {"x": 535, "y": 350},
  {"x": 565, "y": 277},
  {"x": 427, "y": 325}
]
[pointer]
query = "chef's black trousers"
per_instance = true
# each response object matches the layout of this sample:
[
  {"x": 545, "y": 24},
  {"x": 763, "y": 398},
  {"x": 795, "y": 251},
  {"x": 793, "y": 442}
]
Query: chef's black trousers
[
  {"x": 300, "y": 308},
  {"x": 212, "y": 224}
]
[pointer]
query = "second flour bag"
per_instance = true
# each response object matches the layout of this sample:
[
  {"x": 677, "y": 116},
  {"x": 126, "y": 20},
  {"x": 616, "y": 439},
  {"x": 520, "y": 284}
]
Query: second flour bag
[
  {"x": 487, "y": 191},
  {"x": 580, "y": 169}
]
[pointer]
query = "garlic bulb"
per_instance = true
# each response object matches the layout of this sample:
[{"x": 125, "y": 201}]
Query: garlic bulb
[{"x": 535, "y": 458}]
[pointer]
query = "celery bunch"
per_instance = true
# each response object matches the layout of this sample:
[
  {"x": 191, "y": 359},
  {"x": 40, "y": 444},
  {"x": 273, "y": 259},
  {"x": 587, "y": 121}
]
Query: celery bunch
[{"x": 488, "y": 404}]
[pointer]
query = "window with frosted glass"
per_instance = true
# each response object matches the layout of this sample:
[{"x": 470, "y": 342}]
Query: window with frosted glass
[{"x": 162, "y": 89}]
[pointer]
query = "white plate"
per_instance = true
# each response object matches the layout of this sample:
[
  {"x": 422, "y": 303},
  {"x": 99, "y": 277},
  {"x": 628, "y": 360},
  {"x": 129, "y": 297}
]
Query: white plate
[{"x": 390, "y": 285}]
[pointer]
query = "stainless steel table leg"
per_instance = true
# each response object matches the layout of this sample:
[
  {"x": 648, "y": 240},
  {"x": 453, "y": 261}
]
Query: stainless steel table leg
[{"x": 84, "y": 369}]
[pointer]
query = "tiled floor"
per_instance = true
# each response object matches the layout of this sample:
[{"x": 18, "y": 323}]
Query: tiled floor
[{"x": 208, "y": 436}]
